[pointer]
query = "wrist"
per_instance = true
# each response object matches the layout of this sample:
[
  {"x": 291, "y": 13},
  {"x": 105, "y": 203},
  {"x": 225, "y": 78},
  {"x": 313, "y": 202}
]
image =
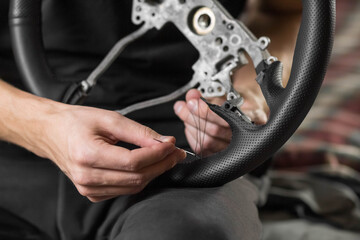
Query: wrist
[
  {"x": 25, "y": 118},
  {"x": 37, "y": 135}
]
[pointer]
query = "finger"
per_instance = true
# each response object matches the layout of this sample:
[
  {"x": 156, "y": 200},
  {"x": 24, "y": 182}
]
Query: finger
[
  {"x": 116, "y": 158},
  {"x": 195, "y": 109},
  {"x": 184, "y": 113},
  {"x": 201, "y": 109},
  {"x": 129, "y": 131},
  {"x": 198, "y": 133},
  {"x": 150, "y": 173},
  {"x": 100, "y": 199},
  {"x": 195, "y": 94},
  {"x": 212, "y": 129},
  {"x": 106, "y": 177},
  {"x": 103, "y": 193},
  {"x": 195, "y": 145},
  {"x": 205, "y": 141},
  {"x": 169, "y": 162},
  {"x": 192, "y": 94}
]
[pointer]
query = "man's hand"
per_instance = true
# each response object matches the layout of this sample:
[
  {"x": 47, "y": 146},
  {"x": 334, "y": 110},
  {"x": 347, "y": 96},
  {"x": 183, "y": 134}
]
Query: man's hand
[
  {"x": 206, "y": 132},
  {"x": 81, "y": 141}
]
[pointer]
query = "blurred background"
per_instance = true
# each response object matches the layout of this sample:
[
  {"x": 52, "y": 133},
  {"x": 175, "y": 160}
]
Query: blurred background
[{"x": 315, "y": 192}]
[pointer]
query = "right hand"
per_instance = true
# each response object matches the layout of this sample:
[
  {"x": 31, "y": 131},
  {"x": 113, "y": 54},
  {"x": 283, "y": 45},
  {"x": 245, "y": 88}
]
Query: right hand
[{"x": 81, "y": 142}]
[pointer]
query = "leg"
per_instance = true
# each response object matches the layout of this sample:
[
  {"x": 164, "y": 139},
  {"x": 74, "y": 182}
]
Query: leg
[
  {"x": 28, "y": 195},
  {"x": 227, "y": 212}
]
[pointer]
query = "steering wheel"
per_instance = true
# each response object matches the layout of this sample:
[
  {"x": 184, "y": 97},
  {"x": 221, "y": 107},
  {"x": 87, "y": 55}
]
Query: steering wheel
[{"x": 250, "y": 145}]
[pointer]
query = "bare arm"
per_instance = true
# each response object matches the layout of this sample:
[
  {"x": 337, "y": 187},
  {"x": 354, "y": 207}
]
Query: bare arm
[{"x": 81, "y": 142}]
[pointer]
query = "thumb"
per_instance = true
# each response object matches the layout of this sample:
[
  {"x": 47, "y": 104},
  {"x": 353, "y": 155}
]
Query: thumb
[{"x": 129, "y": 131}]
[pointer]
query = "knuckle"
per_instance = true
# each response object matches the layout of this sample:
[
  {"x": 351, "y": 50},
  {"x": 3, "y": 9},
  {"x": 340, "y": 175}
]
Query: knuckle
[
  {"x": 85, "y": 179},
  {"x": 111, "y": 118},
  {"x": 147, "y": 132},
  {"x": 84, "y": 157},
  {"x": 84, "y": 191},
  {"x": 138, "y": 180},
  {"x": 81, "y": 178},
  {"x": 132, "y": 165},
  {"x": 78, "y": 157}
]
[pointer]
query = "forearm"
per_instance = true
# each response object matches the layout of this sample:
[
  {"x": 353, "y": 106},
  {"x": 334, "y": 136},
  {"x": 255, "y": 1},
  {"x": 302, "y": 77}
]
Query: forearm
[{"x": 24, "y": 117}]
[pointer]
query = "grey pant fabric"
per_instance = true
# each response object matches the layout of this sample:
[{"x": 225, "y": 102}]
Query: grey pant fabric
[{"x": 38, "y": 202}]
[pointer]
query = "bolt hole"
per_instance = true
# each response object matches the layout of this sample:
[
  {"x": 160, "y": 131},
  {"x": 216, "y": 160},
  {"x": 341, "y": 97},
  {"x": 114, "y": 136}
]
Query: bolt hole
[
  {"x": 204, "y": 21},
  {"x": 218, "y": 41},
  {"x": 182, "y": 1},
  {"x": 227, "y": 106},
  {"x": 230, "y": 26},
  {"x": 202, "y": 90},
  {"x": 226, "y": 48}
]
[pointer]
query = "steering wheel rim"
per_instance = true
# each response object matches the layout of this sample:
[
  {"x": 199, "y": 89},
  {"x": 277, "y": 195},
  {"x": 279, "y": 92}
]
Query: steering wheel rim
[{"x": 250, "y": 145}]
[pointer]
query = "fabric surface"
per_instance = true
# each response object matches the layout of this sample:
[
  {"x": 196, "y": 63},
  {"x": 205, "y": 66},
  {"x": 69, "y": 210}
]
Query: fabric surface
[
  {"x": 227, "y": 212},
  {"x": 36, "y": 204}
]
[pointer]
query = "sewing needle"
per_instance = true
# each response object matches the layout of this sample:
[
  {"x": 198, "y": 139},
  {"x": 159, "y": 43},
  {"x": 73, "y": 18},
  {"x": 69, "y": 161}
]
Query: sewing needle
[{"x": 193, "y": 154}]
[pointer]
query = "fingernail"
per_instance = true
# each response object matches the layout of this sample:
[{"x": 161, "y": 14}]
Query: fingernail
[
  {"x": 167, "y": 139},
  {"x": 182, "y": 156},
  {"x": 178, "y": 106},
  {"x": 192, "y": 104}
]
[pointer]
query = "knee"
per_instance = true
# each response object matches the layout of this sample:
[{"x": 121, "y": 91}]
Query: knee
[
  {"x": 167, "y": 220},
  {"x": 165, "y": 223}
]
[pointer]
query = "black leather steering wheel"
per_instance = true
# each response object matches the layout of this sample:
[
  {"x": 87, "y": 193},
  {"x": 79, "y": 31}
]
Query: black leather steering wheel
[{"x": 250, "y": 145}]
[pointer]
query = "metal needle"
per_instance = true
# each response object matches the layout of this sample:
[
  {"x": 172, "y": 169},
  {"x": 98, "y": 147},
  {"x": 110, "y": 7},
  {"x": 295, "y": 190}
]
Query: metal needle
[{"x": 193, "y": 154}]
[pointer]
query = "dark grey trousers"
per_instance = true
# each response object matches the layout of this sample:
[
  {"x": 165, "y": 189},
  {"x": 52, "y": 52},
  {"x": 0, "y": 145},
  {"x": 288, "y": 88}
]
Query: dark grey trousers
[{"x": 38, "y": 202}]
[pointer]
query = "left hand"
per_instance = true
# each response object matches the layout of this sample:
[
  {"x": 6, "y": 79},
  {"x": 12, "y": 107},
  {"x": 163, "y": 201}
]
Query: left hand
[{"x": 206, "y": 132}]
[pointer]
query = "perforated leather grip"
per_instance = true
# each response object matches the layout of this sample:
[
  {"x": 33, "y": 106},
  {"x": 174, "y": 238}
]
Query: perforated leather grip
[{"x": 252, "y": 145}]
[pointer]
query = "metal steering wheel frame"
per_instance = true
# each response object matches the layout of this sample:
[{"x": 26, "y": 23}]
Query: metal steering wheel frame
[{"x": 250, "y": 145}]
